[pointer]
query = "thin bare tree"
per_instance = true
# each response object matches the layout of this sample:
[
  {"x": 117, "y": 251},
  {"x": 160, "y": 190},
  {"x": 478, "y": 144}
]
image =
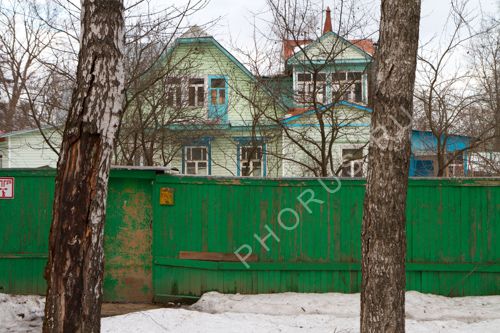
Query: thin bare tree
[
  {"x": 445, "y": 95},
  {"x": 24, "y": 44}
]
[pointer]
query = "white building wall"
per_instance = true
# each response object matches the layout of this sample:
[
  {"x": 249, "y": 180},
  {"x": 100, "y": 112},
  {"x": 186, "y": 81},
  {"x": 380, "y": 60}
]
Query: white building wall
[{"x": 29, "y": 150}]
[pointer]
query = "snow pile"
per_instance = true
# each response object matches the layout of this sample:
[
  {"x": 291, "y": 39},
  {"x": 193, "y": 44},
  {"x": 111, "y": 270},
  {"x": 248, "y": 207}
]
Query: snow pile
[
  {"x": 21, "y": 313},
  {"x": 296, "y": 312},
  {"x": 286, "y": 312}
]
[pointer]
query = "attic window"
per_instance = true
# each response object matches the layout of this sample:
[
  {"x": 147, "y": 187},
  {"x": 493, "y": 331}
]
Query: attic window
[
  {"x": 311, "y": 88},
  {"x": 196, "y": 91},
  {"x": 347, "y": 86},
  {"x": 174, "y": 91}
]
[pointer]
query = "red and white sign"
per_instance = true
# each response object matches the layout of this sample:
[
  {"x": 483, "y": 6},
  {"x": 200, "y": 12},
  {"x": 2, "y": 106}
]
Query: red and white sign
[{"x": 7, "y": 188}]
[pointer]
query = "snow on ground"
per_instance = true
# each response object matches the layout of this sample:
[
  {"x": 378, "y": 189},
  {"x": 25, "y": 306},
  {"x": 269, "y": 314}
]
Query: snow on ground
[
  {"x": 294, "y": 312},
  {"x": 286, "y": 312},
  {"x": 21, "y": 313}
]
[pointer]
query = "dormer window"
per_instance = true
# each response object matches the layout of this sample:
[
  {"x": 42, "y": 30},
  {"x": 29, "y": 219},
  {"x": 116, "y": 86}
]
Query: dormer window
[
  {"x": 347, "y": 86},
  {"x": 311, "y": 88}
]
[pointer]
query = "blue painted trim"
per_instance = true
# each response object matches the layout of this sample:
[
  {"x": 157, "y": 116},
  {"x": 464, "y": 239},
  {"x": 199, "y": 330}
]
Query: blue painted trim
[
  {"x": 244, "y": 141},
  {"x": 336, "y": 61},
  {"x": 209, "y": 153},
  {"x": 356, "y": 106},
  {"x": 218, "y": 127},
  {"x": 213, "y": 113},
  {"x": 238, "y": 159},
  {"x": 264, "y": 160},
  {"x": 466, "y": 166},
  {"x": 325, "y": 107},
  {"x": 328, "y": 125},
  {"x": 204, "y": 141}
]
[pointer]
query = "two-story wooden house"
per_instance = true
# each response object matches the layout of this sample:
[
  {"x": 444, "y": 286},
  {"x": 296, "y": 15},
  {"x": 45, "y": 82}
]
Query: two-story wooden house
[{"x": 312, "y": 120}]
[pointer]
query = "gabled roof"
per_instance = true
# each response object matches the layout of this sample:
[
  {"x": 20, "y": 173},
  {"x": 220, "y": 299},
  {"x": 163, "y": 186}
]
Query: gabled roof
[
  {"x": 291, "y": 117},
  {"x": 295, "y": 59},
  {"x": 186, "y": 39},
  {"x": 209, "y": 40},
  {"x": 366, "y": 45}
]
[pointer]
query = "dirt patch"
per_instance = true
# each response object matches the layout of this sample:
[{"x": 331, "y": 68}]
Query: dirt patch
[{"x": 116, "y": 309}]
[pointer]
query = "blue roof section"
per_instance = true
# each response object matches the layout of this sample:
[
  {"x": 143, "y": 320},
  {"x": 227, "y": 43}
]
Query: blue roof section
[
  {"x": 425, "y": 141},
  {"x": 294, "y": 61},
  {"x": 328, "y": 106}
]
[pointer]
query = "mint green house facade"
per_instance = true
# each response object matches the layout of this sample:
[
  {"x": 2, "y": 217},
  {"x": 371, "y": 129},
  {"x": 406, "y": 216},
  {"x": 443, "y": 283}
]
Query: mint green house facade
[
  {"x": 217, "y": 93},
  {"x": 243, "y": 129},
  {"x": 229, "y": 122}
]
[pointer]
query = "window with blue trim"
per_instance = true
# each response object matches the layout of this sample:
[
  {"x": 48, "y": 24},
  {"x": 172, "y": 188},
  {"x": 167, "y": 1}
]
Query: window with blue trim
[
  {"x": 196, "y": 160},
  {"x": 217, "y": 98},
  {"x": 251, "y": 162}
]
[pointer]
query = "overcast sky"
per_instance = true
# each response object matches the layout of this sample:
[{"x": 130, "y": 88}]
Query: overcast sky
[{"x": 236, "y": 16}]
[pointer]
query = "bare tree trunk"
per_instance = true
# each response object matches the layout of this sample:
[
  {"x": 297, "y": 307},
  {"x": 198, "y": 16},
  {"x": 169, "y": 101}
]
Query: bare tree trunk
[
  {"x": 75, "y": 268},
  {"x": 383, "y": 231}
]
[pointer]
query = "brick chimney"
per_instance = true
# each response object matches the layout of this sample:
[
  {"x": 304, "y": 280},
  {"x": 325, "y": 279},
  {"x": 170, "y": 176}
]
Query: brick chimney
[{"x": 328, "y": 21}]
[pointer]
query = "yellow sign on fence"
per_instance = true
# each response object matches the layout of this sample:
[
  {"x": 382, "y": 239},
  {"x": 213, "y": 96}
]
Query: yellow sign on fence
[{"x": 166, "y": 196}]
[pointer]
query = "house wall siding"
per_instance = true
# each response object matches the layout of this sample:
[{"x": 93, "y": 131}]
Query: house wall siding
[
  {"x": 205, "y": 60},
  {"x": 29, "y": 150}
]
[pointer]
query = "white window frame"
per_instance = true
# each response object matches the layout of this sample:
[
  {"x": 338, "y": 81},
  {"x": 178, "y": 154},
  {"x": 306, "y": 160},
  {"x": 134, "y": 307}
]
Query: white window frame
[
  {"x": 188, "y": 159},
  {"x": 350, "y": 92},
  {"x": 305, "y": 88},
  {"x": 249, "y": 163},
  {"x": 173, "y": 89},
  {"x": 353, "y": 164},
  {"x": 197, "y": 87}
]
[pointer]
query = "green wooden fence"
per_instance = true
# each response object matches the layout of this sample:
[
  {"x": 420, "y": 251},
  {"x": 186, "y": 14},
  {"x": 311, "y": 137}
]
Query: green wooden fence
[
  {"x": 25, "y": 224},
  {"x": 453, "y": 229}
]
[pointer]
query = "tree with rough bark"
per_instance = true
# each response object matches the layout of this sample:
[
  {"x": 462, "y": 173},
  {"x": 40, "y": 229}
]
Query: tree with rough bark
[
  {"x": 75, "y": 266},
  {"x": 383, "y": 230}
]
